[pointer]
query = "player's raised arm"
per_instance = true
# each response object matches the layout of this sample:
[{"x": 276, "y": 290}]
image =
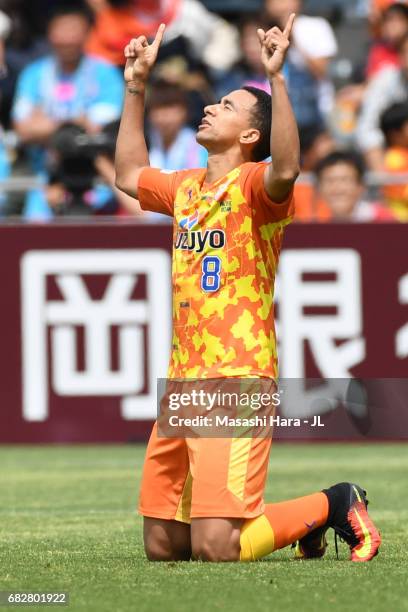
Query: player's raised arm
[
  {"x": 131, "y": 150},
  {"x": 285, "y": 148}
]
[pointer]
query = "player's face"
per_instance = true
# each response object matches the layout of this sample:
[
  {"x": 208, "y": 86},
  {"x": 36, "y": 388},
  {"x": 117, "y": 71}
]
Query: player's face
[
  {"x": 340, "y": 187},
  {"x": 67, "y": 35},
  {"x": 226, "y": 123}
]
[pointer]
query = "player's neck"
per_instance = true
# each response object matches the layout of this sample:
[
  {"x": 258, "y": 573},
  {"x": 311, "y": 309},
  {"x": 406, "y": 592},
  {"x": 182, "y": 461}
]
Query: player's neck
[{"x": 219, "y": 164}]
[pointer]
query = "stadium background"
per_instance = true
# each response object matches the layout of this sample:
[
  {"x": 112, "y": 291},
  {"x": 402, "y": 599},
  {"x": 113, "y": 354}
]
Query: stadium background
[{"x": 85, "y": 307}]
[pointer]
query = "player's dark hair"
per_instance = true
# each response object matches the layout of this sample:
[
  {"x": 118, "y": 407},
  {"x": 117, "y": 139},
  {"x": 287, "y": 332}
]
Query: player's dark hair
[
  {"x": 351, "y": 158},
  {"x": 73, "y": 8},
  {"x": 393, "y": 119},
  {"x": 262, "y": 121}
]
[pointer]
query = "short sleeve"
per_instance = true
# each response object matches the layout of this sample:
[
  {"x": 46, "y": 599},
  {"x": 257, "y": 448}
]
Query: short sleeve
[
  {"x": 256, "y": 195},
  {"x": 157, "y": 189}
]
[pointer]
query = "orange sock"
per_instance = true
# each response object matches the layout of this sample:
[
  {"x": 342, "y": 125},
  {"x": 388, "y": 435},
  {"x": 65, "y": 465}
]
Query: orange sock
[{"x": 282, "y": 524}]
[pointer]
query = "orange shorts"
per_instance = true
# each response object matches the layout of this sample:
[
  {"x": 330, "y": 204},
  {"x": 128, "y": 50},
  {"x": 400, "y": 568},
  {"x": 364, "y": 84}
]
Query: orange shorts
[{"x": 185, "y": 478}]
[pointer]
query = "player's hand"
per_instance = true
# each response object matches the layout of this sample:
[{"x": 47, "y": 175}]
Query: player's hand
[
  {"x": 274, "y": 47},
  {"x": 141, "y": 57}
]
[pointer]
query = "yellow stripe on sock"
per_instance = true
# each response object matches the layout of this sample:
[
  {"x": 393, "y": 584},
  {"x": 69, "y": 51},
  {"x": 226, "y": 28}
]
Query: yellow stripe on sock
[{"x": 257, "y": 539}]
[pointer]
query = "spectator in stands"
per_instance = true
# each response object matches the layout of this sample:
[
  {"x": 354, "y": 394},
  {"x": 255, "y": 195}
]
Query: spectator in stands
[
  {"x": 307, "y": 66},
  {"x": 383, "y": 54},
  {"x": 67, "y": 86},
  {"x": 393, "y": 29},
  {"x": 375, "y": 13},
  {"x": 196, "y": 41},
  {"x": 388, "y": 87},
  {"x": 24, "y": 45},
  {"x": 315, "y": 143},
  {"x": 394, "y": 125},
  {"x": 340, "y": 183},
  {"x": 81, "y": 178},
  {"x": 5, "y": 27},
  {"x": 249, "y": 70},
  {"x": 55, "y": 200},
  {"x": 172, "y": 143},
  {"x": 210, "y": 39}
]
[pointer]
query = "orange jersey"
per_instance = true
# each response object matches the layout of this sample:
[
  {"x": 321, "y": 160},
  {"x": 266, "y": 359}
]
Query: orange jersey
[{"x": 226, "y": 244}]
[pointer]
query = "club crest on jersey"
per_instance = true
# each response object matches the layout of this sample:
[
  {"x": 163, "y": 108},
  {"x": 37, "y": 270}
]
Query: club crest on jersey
[{"x": 198, "y": 240}]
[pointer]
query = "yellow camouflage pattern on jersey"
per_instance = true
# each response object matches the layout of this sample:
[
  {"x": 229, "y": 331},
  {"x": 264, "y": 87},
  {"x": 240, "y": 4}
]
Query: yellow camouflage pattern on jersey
[{"x": 223, "y": 325}]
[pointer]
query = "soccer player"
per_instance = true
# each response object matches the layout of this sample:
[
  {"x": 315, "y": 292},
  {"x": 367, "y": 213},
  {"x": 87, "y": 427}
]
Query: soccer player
[{"x": 202, "y": 498}]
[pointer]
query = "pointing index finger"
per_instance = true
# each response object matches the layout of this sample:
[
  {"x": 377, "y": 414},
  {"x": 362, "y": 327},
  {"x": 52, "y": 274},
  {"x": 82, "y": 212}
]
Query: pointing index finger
[
  {"x": 288, "y": 28},
  {"x": 159, "y": 36}
]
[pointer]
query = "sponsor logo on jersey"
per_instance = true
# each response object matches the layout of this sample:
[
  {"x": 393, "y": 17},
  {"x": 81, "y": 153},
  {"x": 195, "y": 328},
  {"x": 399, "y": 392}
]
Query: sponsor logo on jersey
[
  {"x": 198, "y": 240},
  {"x": 187, "y": 223},
  {"x": 225, "y": 206}
]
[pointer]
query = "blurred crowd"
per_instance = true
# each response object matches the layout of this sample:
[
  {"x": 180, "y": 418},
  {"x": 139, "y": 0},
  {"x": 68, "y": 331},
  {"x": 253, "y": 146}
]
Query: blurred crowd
[{"x": 61, "y": 94}]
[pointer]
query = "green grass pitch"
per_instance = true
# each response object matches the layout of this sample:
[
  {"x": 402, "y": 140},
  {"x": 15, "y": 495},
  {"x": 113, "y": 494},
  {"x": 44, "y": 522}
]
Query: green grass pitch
[{"x": 68, "y": 524}]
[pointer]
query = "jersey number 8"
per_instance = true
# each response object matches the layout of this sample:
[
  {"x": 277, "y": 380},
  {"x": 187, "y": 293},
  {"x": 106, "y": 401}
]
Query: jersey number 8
[{"x": 211, "y": 277}]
